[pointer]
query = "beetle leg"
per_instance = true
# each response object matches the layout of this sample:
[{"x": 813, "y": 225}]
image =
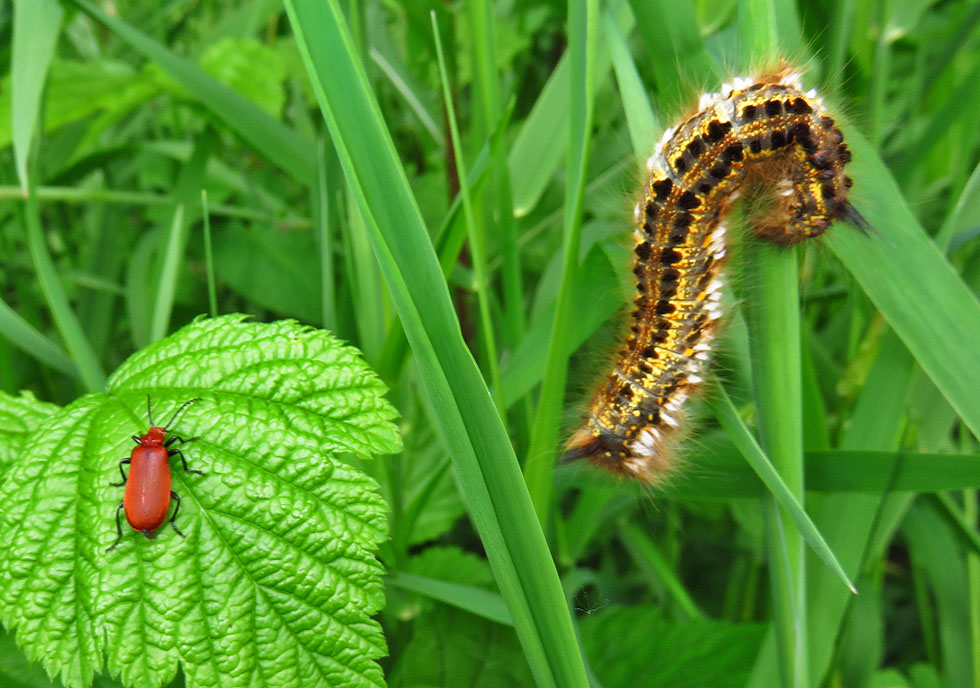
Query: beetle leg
[
  {"x": 183, "y": 460},
  {"x": 121, "y": 473},
  {"x": 176, "y": 497},
  {"x": 174, "y": 438},
  {"x": 136, "y": 439},
  {"x": 118, "y": 526}
]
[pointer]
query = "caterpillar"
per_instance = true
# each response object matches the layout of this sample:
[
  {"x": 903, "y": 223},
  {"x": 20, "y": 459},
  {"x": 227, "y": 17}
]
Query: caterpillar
[{"x": 766, "y": 135}]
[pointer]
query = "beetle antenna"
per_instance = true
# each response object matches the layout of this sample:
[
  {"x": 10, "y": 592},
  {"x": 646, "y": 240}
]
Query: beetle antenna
[
  {"x": 178, "y": 411},
  {"x": 149, "y": 410}
]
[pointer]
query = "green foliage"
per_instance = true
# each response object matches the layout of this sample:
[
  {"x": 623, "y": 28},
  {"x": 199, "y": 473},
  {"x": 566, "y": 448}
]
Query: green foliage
[
  {"x": 451, "y": 646},
  {"x": 655, "y": 652},
  {"x": 281, "y": 535},
  {"x": 319, "y": 131},
  {"x": 19, "y": 417}
]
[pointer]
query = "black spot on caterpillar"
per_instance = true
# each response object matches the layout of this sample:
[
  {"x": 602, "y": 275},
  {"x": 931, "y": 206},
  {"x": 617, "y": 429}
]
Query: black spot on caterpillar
[{"x": 763, "y": 132}]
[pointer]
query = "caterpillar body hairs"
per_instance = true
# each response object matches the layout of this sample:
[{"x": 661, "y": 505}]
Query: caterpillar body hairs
[{"x": 765, "y": 135}]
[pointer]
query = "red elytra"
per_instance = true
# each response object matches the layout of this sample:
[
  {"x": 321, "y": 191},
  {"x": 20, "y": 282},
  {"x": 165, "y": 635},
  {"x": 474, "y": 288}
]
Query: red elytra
[{"x": 148, "y": 494}]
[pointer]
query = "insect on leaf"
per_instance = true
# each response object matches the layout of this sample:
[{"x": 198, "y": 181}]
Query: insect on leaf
[{"x": 276, "y": 580}]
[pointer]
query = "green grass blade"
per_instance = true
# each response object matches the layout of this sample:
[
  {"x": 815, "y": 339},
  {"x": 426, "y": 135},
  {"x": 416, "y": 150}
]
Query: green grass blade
[
  {"x": 640, "y": 119},
  {"x": 78, "y": 346},
  {"x": 163, "y": 300},
  {"x": 469, "y": 424},
  {"x": 937, "y": 317},
  {"x": 26, "y": 337},
  {"x": 773, "y": 316},
  {"x": 753, "y": 454},
  {"x": 673, "y": 42},
  {"x": 36, "y": 27},
  {"x": 847, "y": 520},
  {"x": 367, "y": 291},
  {"x": 960, "y": 225},
  {"x": 476, "y": 243},
  {"x": 957, "y": 520},
  {"x": 209, "y": 256},
  {"x": 655, "y": 566},
  {"x": 83, "y": 196},
  {"x": 757, "y": 28},
  {"x": 873, "y": 472},
  {"x": 583, "y": 19},
  {"x": 174, "y": 254},
  {"x": 403, "y": 84},
  {"x": 325, "y": 215},
  {"x": 525, "y": 366},
  {"x": 937, "y": 557},
  {"x": 466, "y": 597},
  {"x": 540, "y": 143}
]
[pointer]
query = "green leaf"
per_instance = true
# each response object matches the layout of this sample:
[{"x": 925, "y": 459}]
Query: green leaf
[
  {"x": 622, "y": 642},
  {"x": 278, "y": 559},
  {"x": 449, "y": 646},
  {"x": 940, "y": 315},
  {"x": 450, "y": 575},
  {"x": 36, "y": 26},
  {"x": 452, "y": 564},
  {"x": 270, "y": 137},
  {"x": 19, "y": 417},
  {"x": 466, "y": 597},
  {"x": 431, "y": 499},
  {"x": 250, "y": 69},
  {"x": 276, "y": 269},
  {"x": 77, "y": 89},
  {"x": 26, "y": 337},
  {"x": 452, "y": 648}
]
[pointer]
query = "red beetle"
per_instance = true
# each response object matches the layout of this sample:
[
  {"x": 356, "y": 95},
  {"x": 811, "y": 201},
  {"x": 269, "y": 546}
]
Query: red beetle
[{"x": 148, "y": 494}]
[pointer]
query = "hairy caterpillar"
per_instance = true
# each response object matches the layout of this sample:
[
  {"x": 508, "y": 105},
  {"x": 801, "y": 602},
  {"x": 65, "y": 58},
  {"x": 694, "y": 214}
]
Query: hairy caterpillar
[{"x": 761, "y": 133}]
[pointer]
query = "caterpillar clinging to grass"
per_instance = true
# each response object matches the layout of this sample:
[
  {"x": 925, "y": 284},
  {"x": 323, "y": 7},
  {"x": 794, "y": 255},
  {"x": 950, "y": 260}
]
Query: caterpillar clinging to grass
[{"x": 759, "y": 134}]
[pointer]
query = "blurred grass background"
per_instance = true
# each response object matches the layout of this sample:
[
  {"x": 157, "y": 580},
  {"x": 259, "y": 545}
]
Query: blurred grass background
[{"x": 341, "y": 191}]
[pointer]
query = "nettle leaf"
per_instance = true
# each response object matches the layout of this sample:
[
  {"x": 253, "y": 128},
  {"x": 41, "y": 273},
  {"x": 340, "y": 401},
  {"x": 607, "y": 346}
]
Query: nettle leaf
[
  {"x": 276, "y": 580},
  {"x": 451, "y": 647},
  {"x": 19, "y": 417},
  {"x": 651, "y": 650}
]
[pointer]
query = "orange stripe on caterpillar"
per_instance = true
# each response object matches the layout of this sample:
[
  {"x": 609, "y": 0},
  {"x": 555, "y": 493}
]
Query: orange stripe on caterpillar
[{"x": 763, "y": 134}]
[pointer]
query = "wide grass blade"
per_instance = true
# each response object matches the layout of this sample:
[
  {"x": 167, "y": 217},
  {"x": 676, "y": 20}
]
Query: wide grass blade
[
  {"x": 36, "y": 25},
  {"x": 26, "y": 337},
  {"x": 773, "y": 316},
  {"x": 772, "y": 313},
  {"x": 583, "y": 20},
  {"x": 540, "y": 143},
  {"x": 640, "y": 119},
  {"x": 78, "y": 346},
  {"x": 469, "y": 424},
  {"x": 937, "y": 315},
  {"x": 163, "y": 299}
]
